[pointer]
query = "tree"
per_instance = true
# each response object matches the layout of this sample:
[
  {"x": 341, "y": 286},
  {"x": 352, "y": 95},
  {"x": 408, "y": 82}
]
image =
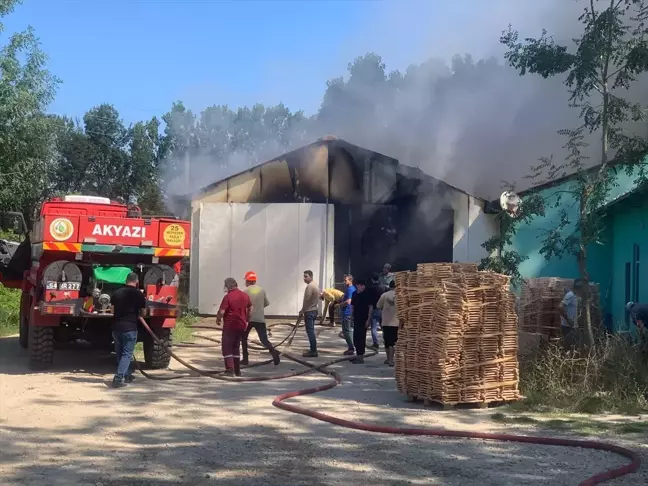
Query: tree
[
  {"x": 599, "y": 68},
  {"x": 105, "y": 158},
  {"x": 502, "y": 257},
  {"x": 144, "y": 161},
  {"x": 198, "y": 150},
  {"x": 26, "y": 133}
]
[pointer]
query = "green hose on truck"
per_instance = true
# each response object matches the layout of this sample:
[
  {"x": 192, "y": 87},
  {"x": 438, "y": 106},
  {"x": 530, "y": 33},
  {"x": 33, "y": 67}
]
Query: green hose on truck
[{"x": 279, "y": 402}]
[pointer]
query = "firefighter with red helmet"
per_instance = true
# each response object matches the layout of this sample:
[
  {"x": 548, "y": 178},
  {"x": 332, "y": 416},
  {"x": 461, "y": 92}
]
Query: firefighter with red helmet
[{"x": 260, "y": 301}]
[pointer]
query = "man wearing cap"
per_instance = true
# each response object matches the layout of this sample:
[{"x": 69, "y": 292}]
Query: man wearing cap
[
  {"x": 234, "y": 313},
  {"x": 259, "y": 300}
]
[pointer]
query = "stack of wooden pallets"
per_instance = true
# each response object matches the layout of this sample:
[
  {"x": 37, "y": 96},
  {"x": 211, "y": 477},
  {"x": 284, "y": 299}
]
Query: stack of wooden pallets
[
  {"x": 539, "y": 305},
  {"x": 459, "y": 342}
]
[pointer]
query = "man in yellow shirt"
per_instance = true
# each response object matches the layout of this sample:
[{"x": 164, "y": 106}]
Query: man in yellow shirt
[{"x": 331, "y": 297}]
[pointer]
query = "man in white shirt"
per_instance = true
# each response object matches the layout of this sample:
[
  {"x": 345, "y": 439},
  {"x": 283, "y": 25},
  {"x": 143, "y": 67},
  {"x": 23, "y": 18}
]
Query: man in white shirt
[
  {"x": 390, "y": 324},
  {"x": 569, "y": 312}
]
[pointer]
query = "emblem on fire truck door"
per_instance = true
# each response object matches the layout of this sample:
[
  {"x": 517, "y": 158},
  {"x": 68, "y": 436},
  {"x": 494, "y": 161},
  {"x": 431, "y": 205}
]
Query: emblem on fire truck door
[
  {"x": 61, "y": 229},
  {"x": 174, "y": 235}
]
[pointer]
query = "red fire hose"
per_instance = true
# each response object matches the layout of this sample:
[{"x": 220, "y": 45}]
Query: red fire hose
[{"x": 635, "y": 460}]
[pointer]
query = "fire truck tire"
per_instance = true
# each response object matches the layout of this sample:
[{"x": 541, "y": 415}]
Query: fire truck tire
[
  {"x": 41, "y": 346},
  {"x": 23, "y": 336},
  {"x": 158, "y": 355}
]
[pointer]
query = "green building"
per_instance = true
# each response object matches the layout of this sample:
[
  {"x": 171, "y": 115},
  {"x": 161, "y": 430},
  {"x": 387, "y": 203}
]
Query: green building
[{"x": 614, "y": 262}]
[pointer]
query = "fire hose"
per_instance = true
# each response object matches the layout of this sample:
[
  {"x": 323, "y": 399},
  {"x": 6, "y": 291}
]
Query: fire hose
[{"x": 279, "y": 402}]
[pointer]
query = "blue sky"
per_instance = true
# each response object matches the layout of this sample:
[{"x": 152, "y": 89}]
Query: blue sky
[{"x": 141, "y": 55}]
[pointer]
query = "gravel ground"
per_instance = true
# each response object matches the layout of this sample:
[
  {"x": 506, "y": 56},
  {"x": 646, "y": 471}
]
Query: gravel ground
[{"x": 67, "y": 427}]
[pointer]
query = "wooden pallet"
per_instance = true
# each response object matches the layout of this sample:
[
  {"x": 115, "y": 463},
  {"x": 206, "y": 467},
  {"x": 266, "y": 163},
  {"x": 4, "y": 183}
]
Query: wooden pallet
[{"x": 461, "y": 405}]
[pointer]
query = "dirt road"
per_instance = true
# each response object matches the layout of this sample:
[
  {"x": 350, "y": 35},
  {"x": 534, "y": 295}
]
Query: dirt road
[{"x": 67, "y": 427}]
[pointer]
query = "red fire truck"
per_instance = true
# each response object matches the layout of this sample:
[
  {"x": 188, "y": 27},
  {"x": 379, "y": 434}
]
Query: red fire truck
[{"x": 79, "y": 252}]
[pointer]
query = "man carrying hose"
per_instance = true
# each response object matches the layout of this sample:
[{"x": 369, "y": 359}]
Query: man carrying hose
[
  {"x": 234, "y": 313},
  {"x": 332, "y": 298},
  {"x": 309, "y": 312},
  {"x": 128, "y": 306},
  {"x": 259, "y": 301}
]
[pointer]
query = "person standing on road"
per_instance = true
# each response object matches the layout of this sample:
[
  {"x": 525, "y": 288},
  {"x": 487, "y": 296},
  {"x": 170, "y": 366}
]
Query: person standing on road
[
  {"x": 259, "y": 300},
  {"x": 387, "y": 303},
  {"x": 234, "y": 313},
  {"x": 362, "y": 302},
  {"x": 347, "y": 314},
  {"x": 385, "y": 277},
  {"x": 128, "y": 306},
  {"x": 332, "y": 298},
  {"x": 376, "y": 315},
  {"x": 309, "y": 312},
  {"x": 569, "y": 314}
]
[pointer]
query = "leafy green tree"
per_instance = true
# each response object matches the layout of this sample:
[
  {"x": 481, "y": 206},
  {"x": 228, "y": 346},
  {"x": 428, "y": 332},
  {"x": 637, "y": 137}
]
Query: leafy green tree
[
  {"x": 503, "y": 258},
  {"x": 195, "y": 150},
  {"x": 105, "y": 158},
  {"x": 26, "y": 133},
  {"x": 599, "y": 67},
  {"x": 144, "y": 161}
]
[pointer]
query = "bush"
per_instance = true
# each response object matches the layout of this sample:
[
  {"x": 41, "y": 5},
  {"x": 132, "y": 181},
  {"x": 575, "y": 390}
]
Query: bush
[
  {"x": 9, "y": 310},
  {"x": 612, "y": 377}
]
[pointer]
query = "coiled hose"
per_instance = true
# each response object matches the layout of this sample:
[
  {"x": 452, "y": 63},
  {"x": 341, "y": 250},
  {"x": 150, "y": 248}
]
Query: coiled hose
[{"x": 631, "y": 467}]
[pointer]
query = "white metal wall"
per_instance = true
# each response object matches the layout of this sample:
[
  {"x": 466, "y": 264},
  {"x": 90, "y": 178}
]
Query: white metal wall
[
  {"x": 277, "y": 241},
  {"x": 471, "y": 228}
]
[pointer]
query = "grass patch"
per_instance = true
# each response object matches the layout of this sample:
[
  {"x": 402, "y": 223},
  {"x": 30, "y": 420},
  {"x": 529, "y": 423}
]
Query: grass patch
[
  {"x": 581, "y": 426},
  {"x": 182, "y": 333},
  {"x": 610, "y": 377},
  {"x": 9, "y": 311}
]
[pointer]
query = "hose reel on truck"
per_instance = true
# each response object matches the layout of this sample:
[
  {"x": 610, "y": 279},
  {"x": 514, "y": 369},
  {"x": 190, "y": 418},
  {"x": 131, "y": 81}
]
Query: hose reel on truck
[{"x": 62, "y": 275}]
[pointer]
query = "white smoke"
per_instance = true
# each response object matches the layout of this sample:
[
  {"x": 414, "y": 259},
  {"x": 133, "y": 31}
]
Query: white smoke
[{"x": 473, "y": 124}]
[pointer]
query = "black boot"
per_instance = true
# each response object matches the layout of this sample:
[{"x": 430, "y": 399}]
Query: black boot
[
  {"x": 237, "y": 367},
  {"x": 275, "y": 356}
]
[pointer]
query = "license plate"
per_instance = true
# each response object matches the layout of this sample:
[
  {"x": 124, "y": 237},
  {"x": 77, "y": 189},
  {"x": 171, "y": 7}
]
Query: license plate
[{"x": 69, "y": 286}]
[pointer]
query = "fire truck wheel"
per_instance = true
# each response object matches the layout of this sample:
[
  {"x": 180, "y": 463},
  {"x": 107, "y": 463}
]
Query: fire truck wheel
[
  {"x": 23, "y": 336},
  {"x": 158, "y": 356},
  {"x": 41, "y": 346}
]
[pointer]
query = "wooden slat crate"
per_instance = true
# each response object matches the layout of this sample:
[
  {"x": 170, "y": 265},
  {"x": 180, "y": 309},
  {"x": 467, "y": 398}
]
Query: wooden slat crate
[
  {"x": 539, "y": 302},
  {"x": 459, "y": 343}
]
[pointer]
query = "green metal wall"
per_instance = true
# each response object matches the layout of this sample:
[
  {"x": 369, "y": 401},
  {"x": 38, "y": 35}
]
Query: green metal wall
[
  {"x": 629, "y": 228},
  {"x": 528, "y": 241}
]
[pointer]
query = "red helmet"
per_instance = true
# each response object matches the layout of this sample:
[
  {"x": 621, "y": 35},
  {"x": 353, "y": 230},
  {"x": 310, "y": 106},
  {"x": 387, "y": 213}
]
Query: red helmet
[{"x": 250, "y": 277}]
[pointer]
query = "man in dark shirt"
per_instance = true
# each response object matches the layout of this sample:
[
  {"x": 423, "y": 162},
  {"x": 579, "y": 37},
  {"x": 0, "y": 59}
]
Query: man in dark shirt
[
  {"x": 362, "y": 303},
  {"x": 234, "y": 312},
  {"x": 128, "y": 305}
]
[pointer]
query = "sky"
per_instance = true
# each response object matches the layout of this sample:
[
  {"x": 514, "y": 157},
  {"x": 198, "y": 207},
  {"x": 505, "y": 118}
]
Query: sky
[{"x": 141, "y": 55}]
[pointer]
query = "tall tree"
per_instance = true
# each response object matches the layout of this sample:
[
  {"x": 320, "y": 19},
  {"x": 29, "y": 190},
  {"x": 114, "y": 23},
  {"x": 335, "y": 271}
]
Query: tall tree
[
  {"x": 599, "y": 67},
  {"x": 220, "y": 141},
  {"x": 105, "y": 158},
  {"x": 144, "y": 161},
  {"x": 26, "y": 133}
]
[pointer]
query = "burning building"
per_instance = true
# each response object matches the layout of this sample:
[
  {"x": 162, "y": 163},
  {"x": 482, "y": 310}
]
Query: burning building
[{"x": 333, "y": 208}]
